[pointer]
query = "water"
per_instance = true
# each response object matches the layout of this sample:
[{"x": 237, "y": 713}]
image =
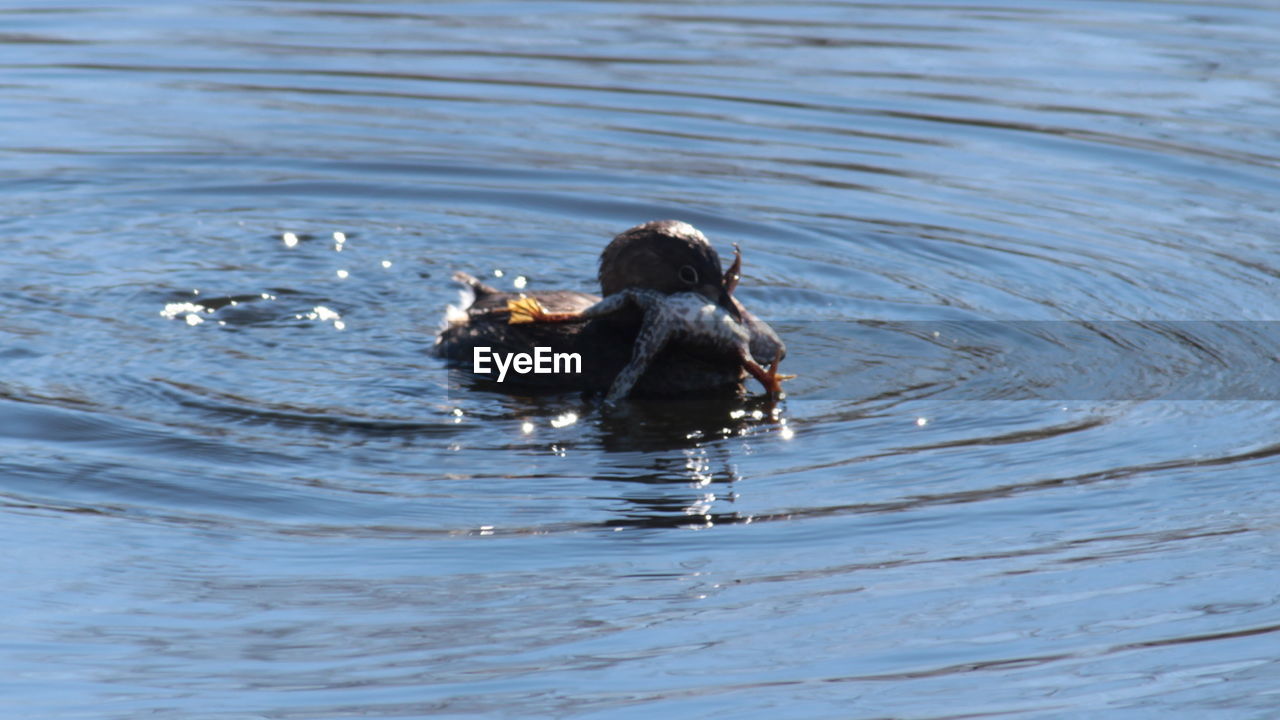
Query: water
[{"x": 235, "y": 485}]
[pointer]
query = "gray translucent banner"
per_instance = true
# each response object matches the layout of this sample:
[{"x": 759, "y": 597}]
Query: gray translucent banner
[{"x": 1013, "y": 360}]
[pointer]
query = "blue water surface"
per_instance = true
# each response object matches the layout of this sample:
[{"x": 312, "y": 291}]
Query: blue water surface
[{"x": 1023, "y": 255}]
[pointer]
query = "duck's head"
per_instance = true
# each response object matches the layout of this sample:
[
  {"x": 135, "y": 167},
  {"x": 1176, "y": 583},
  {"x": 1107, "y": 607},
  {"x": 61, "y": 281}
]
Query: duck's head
[
  {"x": 671, "y": 256},
  {"x": 668, "y": 256}
]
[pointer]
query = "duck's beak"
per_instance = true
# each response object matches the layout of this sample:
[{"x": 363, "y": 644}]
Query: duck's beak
[
  {"x": 730, "y": 304},
  {"x": 766, "y": 346}
]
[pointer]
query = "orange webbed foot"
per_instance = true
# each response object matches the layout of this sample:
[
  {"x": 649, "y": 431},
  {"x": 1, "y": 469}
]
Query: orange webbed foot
[
  {"x": 770, "y": 378},
  {"x": 524, "y": 310},
  {"x": 527, "y": 309}
]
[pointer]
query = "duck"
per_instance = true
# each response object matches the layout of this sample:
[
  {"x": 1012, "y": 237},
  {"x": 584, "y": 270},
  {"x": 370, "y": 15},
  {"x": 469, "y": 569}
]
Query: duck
[{"x": 666, "y": 323}]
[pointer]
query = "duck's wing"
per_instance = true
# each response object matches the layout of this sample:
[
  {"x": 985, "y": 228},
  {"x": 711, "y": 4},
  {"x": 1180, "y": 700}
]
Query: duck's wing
[
  {"x": 485, "y": 322},
  {"x": 563, "y": 301}
]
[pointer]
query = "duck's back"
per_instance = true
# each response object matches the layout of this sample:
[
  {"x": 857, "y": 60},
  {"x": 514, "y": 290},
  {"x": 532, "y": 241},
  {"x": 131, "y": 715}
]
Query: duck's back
[{"x": 602, "y": 349}]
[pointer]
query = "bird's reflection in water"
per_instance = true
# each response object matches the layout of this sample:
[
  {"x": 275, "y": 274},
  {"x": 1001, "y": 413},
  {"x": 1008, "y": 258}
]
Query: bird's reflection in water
[
  {"x": 680, "y": 457},
  {"x": 671, "y": 460},
  {"x": 650, "y": 425}
]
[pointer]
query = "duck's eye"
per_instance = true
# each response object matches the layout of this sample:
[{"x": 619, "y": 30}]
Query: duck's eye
[{"x": 689, "y": 275}]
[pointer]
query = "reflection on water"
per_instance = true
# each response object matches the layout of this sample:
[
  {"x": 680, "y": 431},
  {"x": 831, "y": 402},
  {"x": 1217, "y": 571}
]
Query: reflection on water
[{"x": 1021, "y": 256}]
